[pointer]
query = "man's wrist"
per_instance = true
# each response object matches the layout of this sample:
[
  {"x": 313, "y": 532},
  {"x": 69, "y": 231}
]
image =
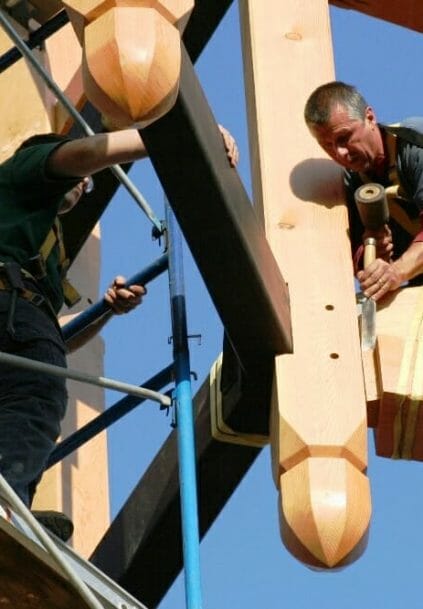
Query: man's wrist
[{"x": 400, "y": 267}]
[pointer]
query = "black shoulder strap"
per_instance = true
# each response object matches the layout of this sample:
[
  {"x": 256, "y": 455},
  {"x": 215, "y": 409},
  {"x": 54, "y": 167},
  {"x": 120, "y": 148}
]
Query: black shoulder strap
[{"x": 413, "y": 136}]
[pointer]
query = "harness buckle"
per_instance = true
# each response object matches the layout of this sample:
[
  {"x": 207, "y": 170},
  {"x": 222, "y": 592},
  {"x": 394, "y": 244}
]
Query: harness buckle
[{"x": 36, "y": 299}]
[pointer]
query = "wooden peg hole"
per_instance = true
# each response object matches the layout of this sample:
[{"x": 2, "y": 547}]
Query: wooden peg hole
[
  {"x": 329, "y": 307},
  {"x": 334, "y": 355}
]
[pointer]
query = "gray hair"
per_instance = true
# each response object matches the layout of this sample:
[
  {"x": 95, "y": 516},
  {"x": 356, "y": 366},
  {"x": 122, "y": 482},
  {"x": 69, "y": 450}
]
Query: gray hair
[{"x": 322, "y": 101}]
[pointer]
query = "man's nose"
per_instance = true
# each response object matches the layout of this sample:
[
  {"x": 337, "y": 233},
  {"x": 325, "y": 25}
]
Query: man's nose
[{"x": 341, "y": 153}]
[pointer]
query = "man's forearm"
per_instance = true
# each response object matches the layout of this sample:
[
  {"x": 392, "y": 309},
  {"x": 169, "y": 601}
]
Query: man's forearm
[
  {"x": 410, "y": 264},
  {"x": 87, "y": 155}
]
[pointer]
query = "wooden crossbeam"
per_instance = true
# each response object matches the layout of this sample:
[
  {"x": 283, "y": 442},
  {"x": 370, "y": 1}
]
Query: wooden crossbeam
[
  {"x": 215, "y": 214},
  {"x": 29, "y": 578},
  {"x": 407, "y": 13}
]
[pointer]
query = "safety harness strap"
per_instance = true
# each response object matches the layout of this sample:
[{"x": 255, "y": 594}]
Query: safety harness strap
[
  {"x": 55, "y": 236},
  {"x": 395, "y": 192}
]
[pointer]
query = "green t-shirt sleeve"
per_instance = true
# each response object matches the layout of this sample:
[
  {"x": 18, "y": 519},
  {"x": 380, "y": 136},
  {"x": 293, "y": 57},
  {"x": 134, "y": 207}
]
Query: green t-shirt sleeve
[{"x": 28, "y": 176}]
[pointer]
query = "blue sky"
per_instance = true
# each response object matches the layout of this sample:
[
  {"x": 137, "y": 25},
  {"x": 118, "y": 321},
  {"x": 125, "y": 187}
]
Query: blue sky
[{"x": 244, "y": 563}]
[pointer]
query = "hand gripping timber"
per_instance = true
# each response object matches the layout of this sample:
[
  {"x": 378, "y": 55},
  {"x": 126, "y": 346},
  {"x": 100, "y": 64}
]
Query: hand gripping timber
[{"x": 131, "y": 56}]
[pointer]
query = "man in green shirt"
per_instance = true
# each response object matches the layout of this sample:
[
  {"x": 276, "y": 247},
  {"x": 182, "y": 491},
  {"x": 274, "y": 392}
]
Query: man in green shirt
[{"x": 45, "y": 178}]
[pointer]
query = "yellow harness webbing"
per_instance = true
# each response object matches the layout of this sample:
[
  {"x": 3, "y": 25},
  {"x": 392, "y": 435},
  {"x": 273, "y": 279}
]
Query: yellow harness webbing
[{"x": 55, "y": 236}]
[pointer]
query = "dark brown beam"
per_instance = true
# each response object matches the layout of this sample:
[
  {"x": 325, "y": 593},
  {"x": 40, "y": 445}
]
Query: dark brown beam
[
  {"x": 219, "y": 223},
  {"x": 407, "y": 13},
  {"x": 216, "y": 216},
  {"x": 141, "y": 550},
  {"x": 204, "y": 20}
]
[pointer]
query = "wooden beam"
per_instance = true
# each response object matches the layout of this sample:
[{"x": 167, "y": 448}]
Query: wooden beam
[
  {"x": 29, "y": 576},
  {"x": 318, "y": 423},
  {"x": 135, "y": 551},
  {"x": 407, "y": 13},
  {"x": 45, "y": 9},
  {"x": 215, "y": 214},
  {"x": 399, "y": 424},
  {"x": 204, "y": 20}
]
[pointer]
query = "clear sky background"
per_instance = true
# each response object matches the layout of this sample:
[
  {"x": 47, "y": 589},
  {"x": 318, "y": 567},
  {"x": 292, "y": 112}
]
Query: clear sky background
[{"x": 244, "y": 563}]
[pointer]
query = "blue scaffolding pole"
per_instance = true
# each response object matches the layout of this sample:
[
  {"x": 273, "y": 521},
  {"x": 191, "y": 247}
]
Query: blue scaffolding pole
[{"x": 184, "y": 418}]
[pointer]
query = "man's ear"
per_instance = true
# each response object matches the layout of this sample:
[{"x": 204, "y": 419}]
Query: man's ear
[{"x": 370, "y": 115}]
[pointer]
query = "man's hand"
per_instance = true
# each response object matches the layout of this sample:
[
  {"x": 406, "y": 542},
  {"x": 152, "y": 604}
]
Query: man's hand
[
  {"x": 379, "y": 278},
  {"x": 384, "y": 244},
  {"x": 382, "y": 277},
  {"x": 124, "y": 299},
  {"x": 230, "y": 146}
]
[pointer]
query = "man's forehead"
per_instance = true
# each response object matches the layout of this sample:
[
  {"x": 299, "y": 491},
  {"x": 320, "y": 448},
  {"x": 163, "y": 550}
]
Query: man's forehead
[
  {"x": 339, "y": 115},
  {"x": 338, "y": 120}
]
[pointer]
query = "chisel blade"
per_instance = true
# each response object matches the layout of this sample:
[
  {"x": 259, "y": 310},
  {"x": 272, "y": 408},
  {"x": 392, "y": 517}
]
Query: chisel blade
[{"x": 368, "y": 324}]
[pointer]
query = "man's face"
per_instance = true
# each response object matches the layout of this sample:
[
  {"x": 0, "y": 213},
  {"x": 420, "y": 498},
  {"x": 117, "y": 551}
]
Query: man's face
[{"x": 355, "y": 144}]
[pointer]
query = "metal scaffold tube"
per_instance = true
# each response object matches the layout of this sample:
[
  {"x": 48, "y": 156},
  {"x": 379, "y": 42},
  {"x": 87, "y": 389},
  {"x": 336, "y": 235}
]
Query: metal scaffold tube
[
  {"x": 17, "y": 505},
  {"x": 184, "y": 418},
  {"x": 82, "y": 377},
  {"x": 109, "y": 416},
  {"x": 35, "y": 39},
  {"x": 93, "y": 313},
  {"x": 115, "y": 169}
]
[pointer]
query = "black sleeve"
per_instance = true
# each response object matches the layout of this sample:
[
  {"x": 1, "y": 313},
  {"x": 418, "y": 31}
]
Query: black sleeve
[{"x": 410, "y": 169}]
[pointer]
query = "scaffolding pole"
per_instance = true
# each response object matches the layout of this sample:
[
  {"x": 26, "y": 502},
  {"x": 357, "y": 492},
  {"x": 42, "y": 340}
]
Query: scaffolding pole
[
  {"x": 109, "y": 416},
  {"x": 78, "y": 324},
  {"x": 184, "y": 418},
  {"x": 82, "y": 377}
]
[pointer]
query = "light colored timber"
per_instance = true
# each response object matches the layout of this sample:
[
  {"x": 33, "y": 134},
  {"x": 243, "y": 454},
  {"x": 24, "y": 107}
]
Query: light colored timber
[
  {"x": 83, "y": 12},
  {"x": 79, "y": 484},
  {"x": 131, "y": 56},
  {"x": 399, "y": 428},
  {"x": 372, "y": 383},
  {"x": 328, "y": 492},
  {"x": 319, "y": 411},
  {"x": 64, "y": 56},
  {"x": 22, "y": 101}
]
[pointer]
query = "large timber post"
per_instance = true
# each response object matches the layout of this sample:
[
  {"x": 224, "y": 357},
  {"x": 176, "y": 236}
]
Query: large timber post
[{"x": 318, "y": 426}]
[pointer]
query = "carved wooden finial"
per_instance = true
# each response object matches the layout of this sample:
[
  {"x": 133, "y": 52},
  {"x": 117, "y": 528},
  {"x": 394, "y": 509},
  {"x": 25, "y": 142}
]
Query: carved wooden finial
[
  {"x": 319, "y": 467},
  {"x": 325, "y": 511},
  {"x": 131, "y": 55}
]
